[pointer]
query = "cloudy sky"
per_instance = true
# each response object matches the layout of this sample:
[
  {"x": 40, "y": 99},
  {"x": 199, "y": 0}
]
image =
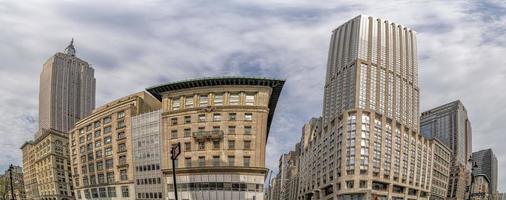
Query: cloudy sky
[{"x": 135, "y": 45}]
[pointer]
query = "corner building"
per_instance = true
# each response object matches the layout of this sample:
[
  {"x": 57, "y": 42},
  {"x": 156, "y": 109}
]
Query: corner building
[
  {"x": 222, "y": 125},
  {"x": 369, "y": 146},
  {"x": 101, "y": 148}
]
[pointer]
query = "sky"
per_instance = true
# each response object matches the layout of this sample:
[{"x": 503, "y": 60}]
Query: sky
[{"x": 133, "y": 45}]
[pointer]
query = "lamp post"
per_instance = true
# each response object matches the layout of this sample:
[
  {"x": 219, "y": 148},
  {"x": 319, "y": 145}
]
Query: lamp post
[
  {"x": 175, "y": 151},
  {"x": 474, "y": 165},
  {"x": 11, "y": 167}
]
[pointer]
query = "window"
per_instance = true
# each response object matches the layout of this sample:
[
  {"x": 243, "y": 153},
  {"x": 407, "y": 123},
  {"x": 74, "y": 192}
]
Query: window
[
  {"x": 175, "y": 104},
  {"x": 173, "y": 134},
  {"x": 231, "y": 129},
  {"x": 87, "y": 194},
  {"x": 102, "y": 193},
  {"x": 121, "y": 124},
  {"x": 247, "y": 130},
  {"x": 247, "y": 144},
  {"x": 173, "y": 121},
  {"x": 97, "y": 133},
  {"x": 216, "y": 161},
  {"x": 202, "y": 161},
  {"x": 216, "y": 128},
  {"x": 121, "y": 115},
  {"x": 216, "y": 117},
  {"x": 107, "y": 140},
  {"x": 81, "y": 139},
  {"x": 188, "y": 102},
  {"x": 218, "y": 99},
  {"x": 231, "y": 160},
  {"x": 188, "y": 162},
  {"x": 187, "y": 132},
  {"x": 111, "y": 192},
  {"x": 187, "y": 119},
  {"x": 108, "y": 151},
  {"x": 231, "y": 144},
  {"x": 107, "y": 129},
  {"x": 109, "y": 163},
  {"x": 216, "y": 144},
  {"x": 101, "y": 178},
  {"x": 94, "y": 193},
  {"x": 202, "y": 145},
  {"x": 232, "y": 116},
  {"x": 204, "y": 100},
  {"x": 250, "y": 99},
  {"x": 93, "y": 180},
  {"x": 98, "y": 143},
  {"x": 247, "y": 160},
  {"x": 123, "y": 174},
  {"x": 202, "y": 118},
  {"x": 187, "y": 146},
  {"x": 100, "y": 166},
  {"x": 234, "y": 99},
  {"x": 110, "y": 177},
  {"x": 89, "y": 137},
  {"x": 122, "y": 147},
  {"x": 107, "y": 120},
  {"x": 98, "y": 154},
  {"x": 124, "y": 191},
  {"x": 88, "y": 128},
  {"x": 122, "y": 159},
  {"x": 248, "y": 116},
  {"x": 121, "y": 135}
]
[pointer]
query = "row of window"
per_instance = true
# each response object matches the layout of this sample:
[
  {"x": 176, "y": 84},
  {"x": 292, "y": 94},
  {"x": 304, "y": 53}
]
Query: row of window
[
  {"x": 174, "y": 134},
  {"x": 147, "y": 167},
  {"x": 223, "y": 186},
  {"x": 201, "y": 145},
  {"x": 216, "y": 100},
  {"x": 106, "y": 120},
  {"x": 149, "y": 195},
  {"x": 217, "y": 117},
  {"x": 103, "y": 192},
  {"x": 103, "y": 178},
  {"x": 215, "y": 161},
  {"x": 148, "y": 181}
]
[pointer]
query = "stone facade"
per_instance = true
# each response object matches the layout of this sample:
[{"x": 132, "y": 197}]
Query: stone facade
[
  {"x": 440, "y": 170},
  {"x": 101, "y": 148},
  {"x": 47, "y": 167},
  {"x": 222, "y": 125}
]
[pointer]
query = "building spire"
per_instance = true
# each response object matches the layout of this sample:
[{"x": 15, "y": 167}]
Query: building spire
[{"x": 70, "y": 50}]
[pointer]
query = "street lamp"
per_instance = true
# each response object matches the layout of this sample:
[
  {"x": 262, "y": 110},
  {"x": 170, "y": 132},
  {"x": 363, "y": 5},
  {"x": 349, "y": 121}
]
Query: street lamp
[
  {"x": 11, "y": 168},
  {"x": 474, "y": 165}
]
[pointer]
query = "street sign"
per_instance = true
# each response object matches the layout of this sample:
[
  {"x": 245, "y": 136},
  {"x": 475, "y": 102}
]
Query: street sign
[{"x": 175, "y": 151}]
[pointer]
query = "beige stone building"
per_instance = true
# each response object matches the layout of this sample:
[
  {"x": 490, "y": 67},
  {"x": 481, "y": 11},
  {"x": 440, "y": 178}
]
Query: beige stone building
[
  {"x": 369, "y": 146},
  {"x": 47, "y": 167},
  {"x": 101, "y": 148},
  {"x": 223, "y": 126},
  {"x": 440, "y": 170},
  {"x": 480, "y": 188}
]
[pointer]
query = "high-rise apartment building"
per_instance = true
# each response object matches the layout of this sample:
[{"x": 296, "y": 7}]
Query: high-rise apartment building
[
  {"x": 146, "y": 147},
  {"x": 67, "y": 91},
  {"x": 487, "y": 165},
  {"x": 450, "y": 124},
  {"x": 101, "y": 148},
  {"x": 47, "y": 166},
  {"x": 370, "y": 146},
  {"x": 222, "y": 125}
]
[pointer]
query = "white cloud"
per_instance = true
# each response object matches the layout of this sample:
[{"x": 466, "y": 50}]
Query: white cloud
[{"x": 135, "y": 45}]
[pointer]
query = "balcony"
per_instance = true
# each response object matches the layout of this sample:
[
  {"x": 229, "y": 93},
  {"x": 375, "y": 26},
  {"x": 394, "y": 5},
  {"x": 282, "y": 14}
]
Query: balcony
[{"x": 202, "y": 135}]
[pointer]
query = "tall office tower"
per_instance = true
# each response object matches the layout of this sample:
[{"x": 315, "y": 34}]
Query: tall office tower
[
  {"x": 146, "y": 146},
  {"x": 487, "y": 165},
  {"x": 67, "y": 91},
  {"x": 450, "y": 124},
  {"x": 101, "y": 149},
  {"x": 370, "y": 147},
  {"x": 222, "y": 125}
]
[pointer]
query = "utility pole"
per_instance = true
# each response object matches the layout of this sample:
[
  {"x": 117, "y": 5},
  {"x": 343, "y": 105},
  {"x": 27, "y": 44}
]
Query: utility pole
[
  {"x": 175, "y": 151},
  {"x": 11, "y": 167}
]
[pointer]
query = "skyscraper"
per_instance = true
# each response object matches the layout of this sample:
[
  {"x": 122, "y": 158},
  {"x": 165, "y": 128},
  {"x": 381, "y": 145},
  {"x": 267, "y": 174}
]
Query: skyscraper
[
  {"x": 487, "y": 165},
  {"x": 67, "y": 90},
  {"x": 450, "y": 124},
  {"x": 370, "y": 147}
]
